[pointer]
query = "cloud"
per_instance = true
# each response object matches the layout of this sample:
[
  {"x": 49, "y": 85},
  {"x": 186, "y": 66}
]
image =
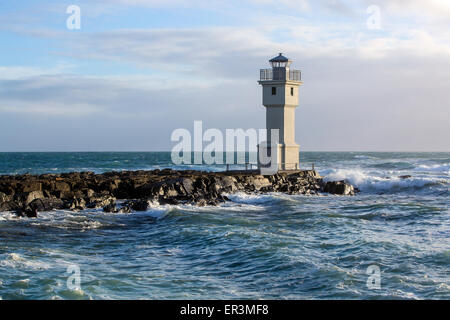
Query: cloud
[
  {"x": 235, "y": 52},
  {"x": 22, "y": 72},
  {"x": 48, "y": 109},
  {"x": 371, "y": 90},
  {"x": 430, "y": 9},
  {"x": 70, "y": 112},
  {"x": 348, "y": 101}
]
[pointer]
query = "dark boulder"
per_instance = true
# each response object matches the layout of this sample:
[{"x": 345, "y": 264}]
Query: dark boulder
[
  {"x": 100, "y": 201},
  {"x": 339, "y": 187},
  {"x": 77, "y": 204},
  {"x": 31, "y": 213},
  {"x": 4, "y": 198},
  {"x": 110, "y": 207},
  {"x": 29, "y": 197},
  {"x": 62, "y": 186},
  {"x": 124, "y": 209},
  {"x": 10, "y": 206},
  {"x": 139, "y": 205},
  {"x": 28, "y": 212},
  {"x": 30, "y": 186},
  {"x": 188, "y": 185},
  {"x": 172, "y": 201},
  {"x": 225, "y": 184},
  {"x": 46, "y": 204}
]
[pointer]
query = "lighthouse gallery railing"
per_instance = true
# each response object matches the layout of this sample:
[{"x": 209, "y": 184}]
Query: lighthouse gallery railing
[{"x": 271, "y": 74}]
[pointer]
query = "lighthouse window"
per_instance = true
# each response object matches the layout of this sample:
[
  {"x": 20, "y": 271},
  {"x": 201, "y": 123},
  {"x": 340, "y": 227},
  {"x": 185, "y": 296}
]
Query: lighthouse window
[
  {"x": 292, "y": 91},
  {"x": 274, "y": 91}
]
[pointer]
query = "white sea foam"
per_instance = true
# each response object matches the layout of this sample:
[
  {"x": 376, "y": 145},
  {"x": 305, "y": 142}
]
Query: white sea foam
[
  {"x": 404, "y": 295},
  {"x": 63, "y": 219},
  {"x": 444, "y": 168},
  {"x": 7, "y": 215},
  {"x": 443, "y": 286},
  {"x": 245, "y": 198},
  {"x": 156, "y": 210},
  {"x": 375, "y": 181},
  {"x": 362, "y": 156},
  {"x": 17, "y": 261},
  {"x": 174, "y": 251}
]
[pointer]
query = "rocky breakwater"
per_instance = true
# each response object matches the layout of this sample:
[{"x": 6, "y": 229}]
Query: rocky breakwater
[{"x": 29, "y": 194}]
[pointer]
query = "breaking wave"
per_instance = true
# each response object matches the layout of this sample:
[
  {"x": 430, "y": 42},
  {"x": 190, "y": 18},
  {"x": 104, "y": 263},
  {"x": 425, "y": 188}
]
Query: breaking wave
[
  {"x": 377, "y": 182},
  {"x": 444, "y": 168},
  {"x": 17, "y": 261},
  {"x": 245, "y": 198},
  {"x": 362, "y": 156}
]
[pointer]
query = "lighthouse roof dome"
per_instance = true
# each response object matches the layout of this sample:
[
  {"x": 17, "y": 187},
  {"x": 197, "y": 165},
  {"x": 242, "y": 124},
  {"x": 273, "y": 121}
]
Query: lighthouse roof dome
[{"x": 279, "y": 58}]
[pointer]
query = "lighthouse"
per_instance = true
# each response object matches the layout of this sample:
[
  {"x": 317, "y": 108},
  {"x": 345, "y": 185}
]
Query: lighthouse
[{"x": 280, "y": 93}]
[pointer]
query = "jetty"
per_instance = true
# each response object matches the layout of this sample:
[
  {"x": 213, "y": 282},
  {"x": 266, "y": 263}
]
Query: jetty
[{"x": 29, "y": 194}]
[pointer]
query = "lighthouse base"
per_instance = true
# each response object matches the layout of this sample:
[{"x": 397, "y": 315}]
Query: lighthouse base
[{"x": 278, "y": 157}]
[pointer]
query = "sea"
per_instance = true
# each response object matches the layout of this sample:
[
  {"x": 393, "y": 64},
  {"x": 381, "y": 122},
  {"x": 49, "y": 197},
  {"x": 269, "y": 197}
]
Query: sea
[{"x": 390, "y": 241}]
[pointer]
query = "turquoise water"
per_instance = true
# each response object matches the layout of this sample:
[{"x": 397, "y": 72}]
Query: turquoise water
[{"x": 256, "y": 246}]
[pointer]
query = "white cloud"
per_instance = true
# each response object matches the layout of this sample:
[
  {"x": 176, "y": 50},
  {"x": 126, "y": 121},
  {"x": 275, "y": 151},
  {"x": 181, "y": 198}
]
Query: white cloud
[
  {"x": 431, "y": 9},
  {"x": 48, "y": 109},
  {"x": 21, "y": 72},
  {"x": 231, "y": 52},
  {"x": 361, "y": 87}
]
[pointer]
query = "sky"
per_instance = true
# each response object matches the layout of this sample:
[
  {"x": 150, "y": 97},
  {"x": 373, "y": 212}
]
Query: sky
[{"x": 376, "y": 73}]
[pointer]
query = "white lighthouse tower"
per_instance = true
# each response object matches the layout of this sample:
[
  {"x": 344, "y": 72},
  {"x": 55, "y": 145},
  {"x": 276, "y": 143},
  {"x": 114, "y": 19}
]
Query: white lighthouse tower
[{"x": 280, "y": 97}]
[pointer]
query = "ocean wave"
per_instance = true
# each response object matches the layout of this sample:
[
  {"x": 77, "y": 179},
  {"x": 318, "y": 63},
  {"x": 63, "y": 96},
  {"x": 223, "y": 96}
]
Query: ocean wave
[
  {"x": 362, "y": 156},
  {"x": 155, "y": 210},
  {"x": 63, "y": 219},
  {"x": 245, "y": 198},
  {"x": 16, "y": 261},
  {"x": 368, "y": 181},
  {"x": 68, "y": 220},
  {"x": 395, "y": 165},
  {"x": 8, "y": 215},
  {"x": 404, "y": 295},
  {"x": 444, "y": 168}
]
